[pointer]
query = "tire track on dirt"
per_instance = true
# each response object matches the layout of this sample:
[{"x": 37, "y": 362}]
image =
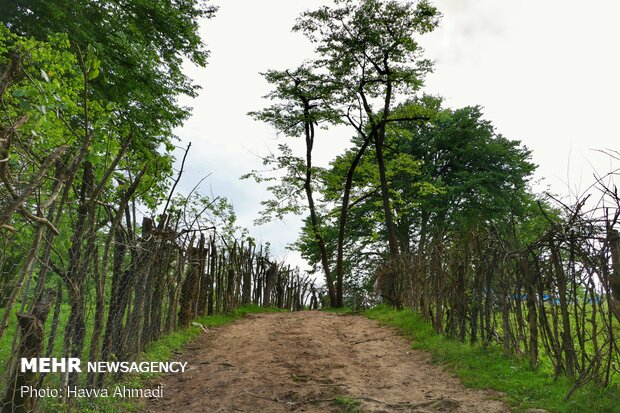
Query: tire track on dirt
[{"x": 307, "y": 362}]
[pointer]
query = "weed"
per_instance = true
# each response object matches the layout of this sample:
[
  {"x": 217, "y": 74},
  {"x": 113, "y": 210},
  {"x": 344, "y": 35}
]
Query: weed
[{"x": 348, "y": 404}]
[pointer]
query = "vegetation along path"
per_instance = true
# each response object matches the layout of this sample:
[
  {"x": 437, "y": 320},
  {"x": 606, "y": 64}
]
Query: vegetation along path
[{"x": 314, "y": 361}]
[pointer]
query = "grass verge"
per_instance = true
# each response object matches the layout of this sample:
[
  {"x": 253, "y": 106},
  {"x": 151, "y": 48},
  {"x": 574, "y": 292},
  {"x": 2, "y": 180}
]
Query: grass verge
[{"x": 487, "y": 368}]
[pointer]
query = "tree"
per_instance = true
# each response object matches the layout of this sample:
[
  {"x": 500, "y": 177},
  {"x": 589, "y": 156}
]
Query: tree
[
  {"x": 141, "y": 45},
  {"x": 103, "y": 105},
  {"x": 366, "y": 57},
  {"x": 482, "y": 176},
  {"x": 448, "y": 177},
  {"x": 39, "y": 86},
  {"x": 369, "y": 52},
  {"x": 138, "y": 48},
  {"x": 303, "y": 103}
]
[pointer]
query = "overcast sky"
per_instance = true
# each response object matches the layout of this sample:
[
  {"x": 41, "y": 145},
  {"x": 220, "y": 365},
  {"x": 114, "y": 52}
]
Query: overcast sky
[{"x": 546, "y": 72}]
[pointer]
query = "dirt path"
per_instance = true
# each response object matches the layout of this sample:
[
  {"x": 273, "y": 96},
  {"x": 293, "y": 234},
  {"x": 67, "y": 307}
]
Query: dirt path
[{"x": 313, "y": 362}]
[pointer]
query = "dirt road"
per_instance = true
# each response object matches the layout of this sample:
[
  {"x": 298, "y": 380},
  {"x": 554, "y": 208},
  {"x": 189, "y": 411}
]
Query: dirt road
[{"x": 313, "y": 362}]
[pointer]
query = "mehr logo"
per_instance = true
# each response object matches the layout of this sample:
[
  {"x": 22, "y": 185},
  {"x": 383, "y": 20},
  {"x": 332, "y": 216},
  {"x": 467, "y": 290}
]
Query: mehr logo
[{"x": 50, "y": 365}]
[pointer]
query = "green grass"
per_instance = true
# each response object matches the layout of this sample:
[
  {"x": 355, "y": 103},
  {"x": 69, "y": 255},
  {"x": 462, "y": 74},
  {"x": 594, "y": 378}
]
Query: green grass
[
  {"x": 487, "y": 368},
  {"x": 544, "y": 361},
  {"x": 63, "y": 317},
  {"x": 347, "y": 404},
  {"x": 12, "y": 329}
]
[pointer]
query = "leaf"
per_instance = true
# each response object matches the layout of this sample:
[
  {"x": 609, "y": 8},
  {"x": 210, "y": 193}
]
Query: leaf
[
  {"x": 18, "y": 93},
  {"x": 24, "y": 104},
  {"x": 93, "y": 74}
]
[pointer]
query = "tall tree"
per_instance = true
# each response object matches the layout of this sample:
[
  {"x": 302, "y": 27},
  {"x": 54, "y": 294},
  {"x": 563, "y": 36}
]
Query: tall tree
[
  {"x": 368, "y": 48},
  {"x": 447, "y": 176},
  {"x": 128, "y": 56},
  {"x": 303, "y": 102},
  {"x": 140, "y": 47}
]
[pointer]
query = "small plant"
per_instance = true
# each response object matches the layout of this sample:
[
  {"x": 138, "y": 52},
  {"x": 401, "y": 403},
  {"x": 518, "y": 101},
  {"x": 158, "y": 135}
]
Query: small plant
[{"x": 348, "y": 404}]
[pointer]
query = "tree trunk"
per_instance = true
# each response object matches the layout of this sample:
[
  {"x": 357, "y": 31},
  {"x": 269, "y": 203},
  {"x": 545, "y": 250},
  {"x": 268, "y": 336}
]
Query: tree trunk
[
  {"x": 335, "y": 296},
  {"x": 32, "y": 332},
  {"x": 529, "y": 279},
  {"x": 269, "y": 276},
  {"x": 567, "y": 338},
  {"x": 613, "y": 237},
  {"x": 389, "y": 293}
]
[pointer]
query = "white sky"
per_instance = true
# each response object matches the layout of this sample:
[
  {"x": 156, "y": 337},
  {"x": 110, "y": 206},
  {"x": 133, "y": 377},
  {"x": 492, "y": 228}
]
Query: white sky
[{"x": 547, "y": 72}]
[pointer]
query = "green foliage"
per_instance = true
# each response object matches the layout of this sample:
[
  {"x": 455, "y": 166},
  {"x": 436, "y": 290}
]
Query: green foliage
[
  {"x": 130, "y": 55},
  {"x": 140, "y": 44},
  {"x": 301, "y": 97},
  {"x": 486, "y": 368},
  {"x": 48, "y": 90},
  {"x": 347, "y": 404},
  {"x": 481, "y": 174},
  {"x": 286, "y": 184},
  {"x": 447, "y": 175},
  {"x": 356, "y": 40}
]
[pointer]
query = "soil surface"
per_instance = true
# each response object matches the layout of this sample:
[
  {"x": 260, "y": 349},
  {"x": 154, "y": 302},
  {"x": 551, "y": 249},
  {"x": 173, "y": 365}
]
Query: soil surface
[{"x": 313, "y": 362}]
